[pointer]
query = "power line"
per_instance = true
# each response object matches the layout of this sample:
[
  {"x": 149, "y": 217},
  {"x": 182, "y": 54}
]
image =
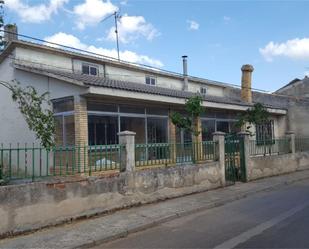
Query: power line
[{"x": 137, "y": 64}]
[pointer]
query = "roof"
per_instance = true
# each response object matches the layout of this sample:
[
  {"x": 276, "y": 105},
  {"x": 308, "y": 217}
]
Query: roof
[
  {"x": 88, "y": 80},
  {"x": 289, "y": 84},
  {"x": 109, "y": 60}
]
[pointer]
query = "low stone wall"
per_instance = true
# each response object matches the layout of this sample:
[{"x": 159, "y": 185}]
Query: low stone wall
[
  {"x": 265, "y": 166},
  {"x": 35, "y": 205}
]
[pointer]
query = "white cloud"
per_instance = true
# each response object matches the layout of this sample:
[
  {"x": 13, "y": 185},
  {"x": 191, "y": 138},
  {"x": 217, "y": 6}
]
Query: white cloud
[
  {"x": 193, "y": 25},
  {"x": 227, "y": 18},
  {"x": 131, "y": 28},
  {"x": 130, "y": 56},
  {"x": 124, "y": 2},
  {"x": 91, "y": 12},
  {"x": 294, "y": 49},
  {"x": 34, "y": 13}
]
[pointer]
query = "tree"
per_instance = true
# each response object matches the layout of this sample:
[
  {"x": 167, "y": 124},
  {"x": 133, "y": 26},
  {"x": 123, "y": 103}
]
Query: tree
[
  {"x": 1, "y": 24},
  {"x": 194, "y": 109},
  {"x": 256, "y": 115},
  {"x": 35, "y": 109}
]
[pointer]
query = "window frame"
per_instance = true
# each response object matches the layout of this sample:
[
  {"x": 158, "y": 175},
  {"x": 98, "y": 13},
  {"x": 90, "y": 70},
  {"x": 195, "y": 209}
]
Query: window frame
[
  {"x": 89, "y": 65},
  {"x": 203, "y": 88},
  {"x": 151, "y": 77},
  {"x": 270, "y": 128}
]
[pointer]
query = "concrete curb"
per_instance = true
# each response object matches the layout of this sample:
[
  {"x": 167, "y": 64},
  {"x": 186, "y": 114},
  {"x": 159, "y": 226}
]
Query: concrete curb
[{"x": 188, "y": 212}]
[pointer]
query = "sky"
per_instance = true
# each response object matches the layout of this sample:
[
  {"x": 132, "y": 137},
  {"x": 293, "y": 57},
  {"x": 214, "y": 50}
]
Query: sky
[{"x": 217, "y": 36}]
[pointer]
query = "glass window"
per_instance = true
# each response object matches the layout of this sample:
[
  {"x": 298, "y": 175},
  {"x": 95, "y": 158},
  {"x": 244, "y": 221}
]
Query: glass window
[
  {"x": 102, "y": 130},
  {"x": 233, "y": 127},
  {"x": 157, "y": 111},
  {"x": 150, "y": 80},
  {"x": 59, "y": 130},
  {"x": 69, "y": 130},
  {"x": 203, "y": 91},
  {"x": 265, "y": 132},
  {"x": 132, "y": 109},
  {"x": 208, "y": 127},
  {"x": 157, "y": 130},
  {"x": 223, "y": 126},
  {"x": 89, "y": 69},
  {"x": 64, "y": 130},
  {"x": 97, "y": 106},
  {"x": 134, "y": 124},
  {"x": 64, "y": 105}
]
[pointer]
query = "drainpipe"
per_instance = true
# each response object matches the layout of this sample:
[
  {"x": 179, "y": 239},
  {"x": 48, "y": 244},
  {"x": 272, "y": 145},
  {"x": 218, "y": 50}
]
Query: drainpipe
[{"x": 185, "y": 72}]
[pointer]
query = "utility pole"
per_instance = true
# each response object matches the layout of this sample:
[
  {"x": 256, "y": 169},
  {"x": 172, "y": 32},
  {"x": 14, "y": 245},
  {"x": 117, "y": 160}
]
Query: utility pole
[{"x": 116, "y": 17}]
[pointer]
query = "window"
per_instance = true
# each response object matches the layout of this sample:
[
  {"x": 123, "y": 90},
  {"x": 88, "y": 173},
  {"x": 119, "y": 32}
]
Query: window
[
  {"x": 203, "y": 91},
  {"x": 63, "y": 105},
  {"x": 90, "y": 69},
  {"x": 208, "y": 127},
  {"x": 150, "y": 80},
  {"x": 102, "y": 130},
  {"x": 265, "y": 132},
  {"x": 223, "y": 126}
]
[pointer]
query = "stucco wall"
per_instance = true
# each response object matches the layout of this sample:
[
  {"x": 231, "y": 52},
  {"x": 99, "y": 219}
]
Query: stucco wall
[
  {"x": 265, "y": 166},
  {"x": 14, "y": 128},
  {"x": 31, "y": 206}
]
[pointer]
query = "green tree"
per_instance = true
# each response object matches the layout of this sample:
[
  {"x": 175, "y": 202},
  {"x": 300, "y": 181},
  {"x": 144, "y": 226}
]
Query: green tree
[
  {"x": 256, "y": 115},
  {"x": 194, "y": 109},
  {"x": 35, "y": 108},
  {"x": 1, "y": 24}
]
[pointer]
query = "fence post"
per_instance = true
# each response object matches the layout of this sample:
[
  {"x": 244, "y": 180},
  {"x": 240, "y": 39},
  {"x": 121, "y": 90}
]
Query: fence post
[
  {"x": 219, "y": 137},
  {"x": 291, "y": 136},
  {"x": 246, "y": 153},
  {"x": 127, "y": 160}
]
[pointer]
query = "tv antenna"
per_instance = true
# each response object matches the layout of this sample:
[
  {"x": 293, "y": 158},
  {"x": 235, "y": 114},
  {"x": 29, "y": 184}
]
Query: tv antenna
[{"x": 117, "y": 16}]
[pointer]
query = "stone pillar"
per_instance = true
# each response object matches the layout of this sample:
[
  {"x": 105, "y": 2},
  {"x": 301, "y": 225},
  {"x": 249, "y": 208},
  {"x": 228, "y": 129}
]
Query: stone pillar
[
  {"x": 172, "y": 138},
  {"x": 291, "y": 136},
  {"x": 246, "y": 93},
  {"x": 220, "y": 149},
  {"x": 246, "y": 138},
  {"x": 127, "y": 139},
  {"x": 81, "y": 132}
]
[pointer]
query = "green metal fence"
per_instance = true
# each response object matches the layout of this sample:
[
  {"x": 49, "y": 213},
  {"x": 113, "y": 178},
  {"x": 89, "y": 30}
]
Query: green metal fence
[
  {"x": 301, "y": 144},
  {"x": 270, "y": 147},
  {"x": 31, "y": 162},
  {"x": 171, "y": 153}
]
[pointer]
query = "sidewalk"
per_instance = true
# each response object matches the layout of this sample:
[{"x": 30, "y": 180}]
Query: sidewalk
[{"x": 94, "y": 231}]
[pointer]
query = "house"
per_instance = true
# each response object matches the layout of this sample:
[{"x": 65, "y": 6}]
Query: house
[{"x": 95, "y": 97}]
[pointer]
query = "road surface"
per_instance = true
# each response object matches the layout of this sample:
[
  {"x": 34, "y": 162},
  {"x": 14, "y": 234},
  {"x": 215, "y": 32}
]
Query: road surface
[{"x": 273, "y": 219}]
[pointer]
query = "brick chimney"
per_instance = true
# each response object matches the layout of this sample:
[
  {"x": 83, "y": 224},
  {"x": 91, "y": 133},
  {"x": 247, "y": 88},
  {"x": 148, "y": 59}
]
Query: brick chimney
[
  {"x": 10, "y": 33},
  {"x": 246, "y": 93}
]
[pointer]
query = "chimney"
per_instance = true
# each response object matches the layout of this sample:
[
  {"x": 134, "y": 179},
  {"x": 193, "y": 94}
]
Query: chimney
[
  {"x": 246, "y": 93},
  {"x": 10, "y": 33},
  {"x": 185, "y": 72}
]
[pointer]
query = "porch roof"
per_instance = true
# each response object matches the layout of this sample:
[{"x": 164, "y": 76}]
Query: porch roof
[{"x": 88, "y": 81}]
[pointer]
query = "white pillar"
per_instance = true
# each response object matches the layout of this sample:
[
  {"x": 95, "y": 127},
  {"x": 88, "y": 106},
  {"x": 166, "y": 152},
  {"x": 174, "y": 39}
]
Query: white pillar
[
  {"x": 291, "y": 136},
  {"x": 219, "y": 137},
  {"x": 127, "y": 139}
]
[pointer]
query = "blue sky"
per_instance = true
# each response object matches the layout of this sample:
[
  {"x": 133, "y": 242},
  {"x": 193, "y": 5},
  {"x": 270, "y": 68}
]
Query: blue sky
[{"x": 218, "y": 36}]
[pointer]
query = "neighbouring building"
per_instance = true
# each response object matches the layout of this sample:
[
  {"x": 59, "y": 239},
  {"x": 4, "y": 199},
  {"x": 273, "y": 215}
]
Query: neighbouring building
[{"x": 95, "y": 97}]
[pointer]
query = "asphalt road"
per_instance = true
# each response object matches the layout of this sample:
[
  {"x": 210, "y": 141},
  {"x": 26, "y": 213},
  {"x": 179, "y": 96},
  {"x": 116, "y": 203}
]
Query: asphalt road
[{"x": 274, "y": 219}]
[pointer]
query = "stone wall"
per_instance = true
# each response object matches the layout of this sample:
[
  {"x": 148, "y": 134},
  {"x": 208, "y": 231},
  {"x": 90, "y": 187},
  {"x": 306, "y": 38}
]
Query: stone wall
[
  {"x": 35, "y": 205},
  {"x": 265, "y": 166}
]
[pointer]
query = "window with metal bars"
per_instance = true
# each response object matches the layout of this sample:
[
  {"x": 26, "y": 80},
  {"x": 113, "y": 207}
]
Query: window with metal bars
[{"x": 265, "y": 133}]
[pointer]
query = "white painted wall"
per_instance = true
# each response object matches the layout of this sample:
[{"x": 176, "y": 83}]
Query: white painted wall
[
  {"x": 49, "y": 60},
  {"x": 14, "y": 128}
]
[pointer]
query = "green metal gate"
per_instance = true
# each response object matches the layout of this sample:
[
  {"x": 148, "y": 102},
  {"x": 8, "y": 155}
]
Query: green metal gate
[{"x": 235, "y": 168}]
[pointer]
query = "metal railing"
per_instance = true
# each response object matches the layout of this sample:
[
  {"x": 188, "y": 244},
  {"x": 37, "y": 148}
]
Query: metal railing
[
  {"x": 270, "y": 147},
  {"x": 31, "y": 162},
  {"x": 301, "y": 144},
  {"x": 173, "y": 153}
]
